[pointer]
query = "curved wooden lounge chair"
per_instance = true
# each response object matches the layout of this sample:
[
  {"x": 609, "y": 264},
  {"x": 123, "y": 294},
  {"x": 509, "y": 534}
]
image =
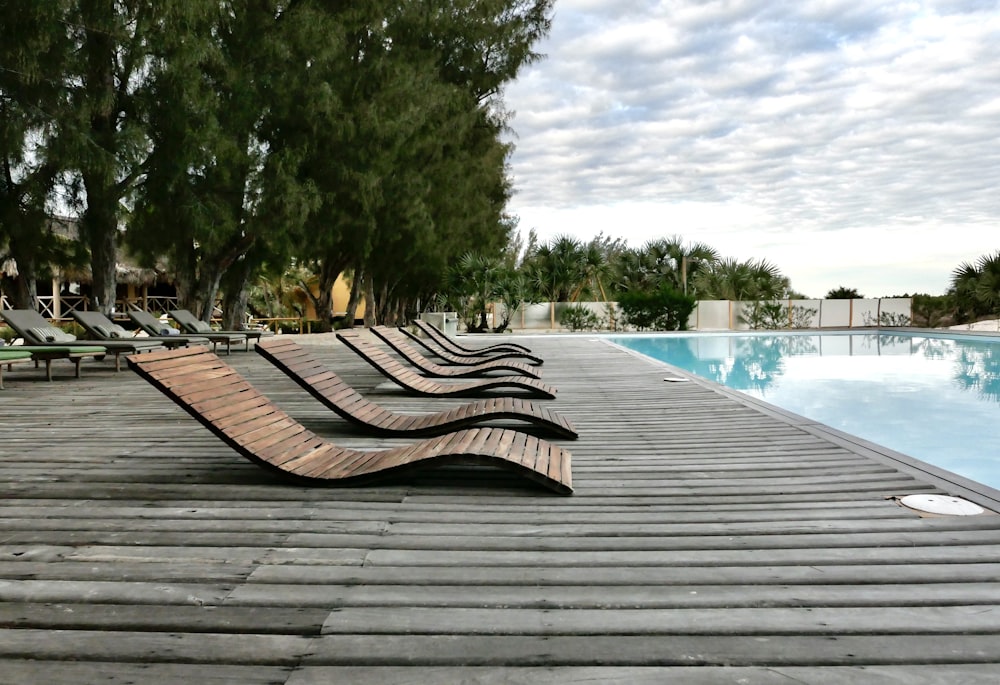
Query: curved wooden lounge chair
[
  {"x": 217, "y": 396},
  {"x": 195, "y": 326},
  {"x": 37, "y": 331},
  {"x": 101, "y": 327},
  {"x": 436, "y": 334},
  {"x": 397, "y": 341},
  {"x": 407, "y": 378},
  {"x": 466, "y": 359},
  {"x": 335, "y": 394}
]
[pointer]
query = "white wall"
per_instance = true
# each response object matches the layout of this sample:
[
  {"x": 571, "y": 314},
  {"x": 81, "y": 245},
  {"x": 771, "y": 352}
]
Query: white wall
[{"x": 723, "y": 315}]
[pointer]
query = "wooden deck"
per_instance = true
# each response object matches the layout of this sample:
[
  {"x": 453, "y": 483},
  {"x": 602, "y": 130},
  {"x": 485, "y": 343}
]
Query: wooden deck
[{"x": 707, "y": 542}]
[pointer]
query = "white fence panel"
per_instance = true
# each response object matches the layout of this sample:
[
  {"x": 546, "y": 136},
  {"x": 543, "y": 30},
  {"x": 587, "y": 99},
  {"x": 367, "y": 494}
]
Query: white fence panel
[
  {"x": 805, "y": 313},
  {"x": 898, "y": 310},
  {"x": 711, "y": 315},
  {"x": 864, "y": 312},
  {"x": 835, "y": 314}
]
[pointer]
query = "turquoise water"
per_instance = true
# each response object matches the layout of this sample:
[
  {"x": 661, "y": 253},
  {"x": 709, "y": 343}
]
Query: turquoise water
[{"x": 933, "y": 398}]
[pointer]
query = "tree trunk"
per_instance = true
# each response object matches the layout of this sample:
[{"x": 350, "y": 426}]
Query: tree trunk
[
  {"x": 382, "y": 313},
  {"x": 100, "y": 224},
  {"x": 201, "y": 302},
  {"x": 369, "y": 286},
  {"x": 235, "y": 296},
  {"x": 25, "y": 293},
  {"x": 329, "y": 270},
  {"x": 100, "y": 219},
  {"x": 352, "y": 302}
]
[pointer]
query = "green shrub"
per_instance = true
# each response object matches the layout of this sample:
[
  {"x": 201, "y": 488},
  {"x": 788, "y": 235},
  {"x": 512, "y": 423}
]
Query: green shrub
[
  {"x": 579, "y": 318},
  {"x": 664, "y": 309}
]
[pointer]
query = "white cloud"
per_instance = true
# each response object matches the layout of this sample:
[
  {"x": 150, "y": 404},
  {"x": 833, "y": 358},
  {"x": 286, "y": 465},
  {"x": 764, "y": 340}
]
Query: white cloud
[{"x": 782, "y": 131}]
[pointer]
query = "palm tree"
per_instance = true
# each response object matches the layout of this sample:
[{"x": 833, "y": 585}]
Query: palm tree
[
  {"x": 842, "y": 293},
  {"x": 558, "y": 268},
  {"x": 664, "y": 260},
  {"x": 471, "y": 284},
  {"x": 688, "y": 260},
  {"x": 629, "y": 271},
  {"x": 729, "y": 279},
  {"x": 977, "y": 287},
  {"x": 596, "y": 272}
]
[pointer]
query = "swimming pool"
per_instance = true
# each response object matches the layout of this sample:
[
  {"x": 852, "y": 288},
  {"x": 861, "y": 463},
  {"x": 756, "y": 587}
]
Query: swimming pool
[{"x": 935, "y": 398}]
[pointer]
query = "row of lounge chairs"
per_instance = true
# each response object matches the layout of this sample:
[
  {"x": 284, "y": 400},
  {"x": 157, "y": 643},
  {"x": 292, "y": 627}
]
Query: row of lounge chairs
[
  {"x": 235, "y": 411},
  {"x": 184, "y": 369},
  {"x": 44, "y": 343},
  {"x": 323, "y": 384}
]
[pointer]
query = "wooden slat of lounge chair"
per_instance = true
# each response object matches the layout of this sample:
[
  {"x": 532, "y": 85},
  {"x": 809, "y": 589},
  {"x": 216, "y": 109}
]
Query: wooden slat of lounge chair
[
  {"x": 394, "y": 339},
  {"x": 466, "y": 358},
  {"x": 279, "y": 454},
  {"x": 302, "y": 457},
  {"x": 268, "y": 436},
  {"x": 517, "y": 447},
  {"x": 172, "y": 370},
  {"x": 232, "y": 388},
  {"x": 182, "y": 361},
  {"x": 237, "y": 416},
  {"x": 260, "y": 427},
  {"x": 327, "y": 460},
  {"x": 414, "y": 382},
  {"x": 163, "y": 359},
  {"x": 279, "y": 443},
  {"x": 410, "y": 423},
  {"x": 433, "y": 332},
  {"x": 248, "y": 402},
  {"x": 178, "y": 373},
  {"x": 335, "y": 394},
  {"x": 212, "y": 381}
]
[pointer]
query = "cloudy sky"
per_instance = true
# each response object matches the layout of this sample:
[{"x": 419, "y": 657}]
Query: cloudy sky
[{"x": 848, "y": 143}]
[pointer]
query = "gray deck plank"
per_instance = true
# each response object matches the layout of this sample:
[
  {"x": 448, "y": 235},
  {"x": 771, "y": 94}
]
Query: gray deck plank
[
  {"x": 968, "y": 674},
  {"x": 708, "y": 541}
]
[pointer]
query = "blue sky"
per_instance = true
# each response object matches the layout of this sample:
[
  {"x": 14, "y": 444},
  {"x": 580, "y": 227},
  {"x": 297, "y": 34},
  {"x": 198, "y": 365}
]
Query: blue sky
[{"x": 849, "y": 143}]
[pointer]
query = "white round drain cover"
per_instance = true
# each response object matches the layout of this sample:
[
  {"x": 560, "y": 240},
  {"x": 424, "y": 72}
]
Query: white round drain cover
[{"x": 942, "y": 504}]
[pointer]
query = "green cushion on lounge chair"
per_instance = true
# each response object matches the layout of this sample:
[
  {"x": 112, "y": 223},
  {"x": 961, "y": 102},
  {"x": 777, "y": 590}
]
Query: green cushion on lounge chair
[
  {"x": 202, "y": 326},
  {"x": 51, "y": 334},
  {"x": 54, "y": 350}
]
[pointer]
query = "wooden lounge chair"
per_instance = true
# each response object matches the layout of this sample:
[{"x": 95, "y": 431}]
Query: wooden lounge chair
[
  {"x": 335, "y": 394},
  {"x": 237, "y": 413},
  {"x": 37, "y": 331},
  {"x": 101, "y": 327},
  {"x": 436, "y": 334},
  {"x": 9, "y": 357},
  {"x": 49, "y": 353},
  {"x": 397, "y": 341},
  {"x": 405, "y": 377},
  {"x": 192, "y": 324},
  {"x": 466, "y": 359},
  {"x": 154, "y": 327}
]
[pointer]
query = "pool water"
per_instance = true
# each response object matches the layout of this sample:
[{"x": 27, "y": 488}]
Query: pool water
[{"x": 933, "y": 398}]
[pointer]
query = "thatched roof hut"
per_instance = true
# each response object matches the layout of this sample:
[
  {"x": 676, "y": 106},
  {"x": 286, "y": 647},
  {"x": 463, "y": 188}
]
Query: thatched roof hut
[{"x": 127, "y": 269}]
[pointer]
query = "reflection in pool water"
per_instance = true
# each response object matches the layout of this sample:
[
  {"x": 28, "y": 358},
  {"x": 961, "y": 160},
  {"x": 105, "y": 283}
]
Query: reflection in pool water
[{"x": 934, "y": 398}]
